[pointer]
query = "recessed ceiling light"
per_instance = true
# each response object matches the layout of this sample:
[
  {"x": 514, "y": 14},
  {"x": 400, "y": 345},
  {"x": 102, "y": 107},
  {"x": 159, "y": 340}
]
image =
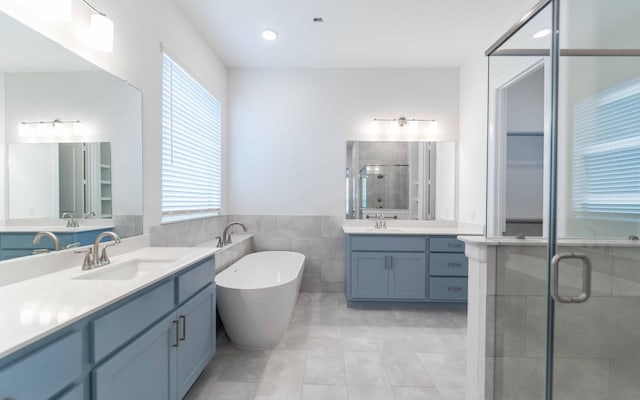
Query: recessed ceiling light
[
  {"x": 269, "y": 34},
  {"x": 542, "y": 33}
]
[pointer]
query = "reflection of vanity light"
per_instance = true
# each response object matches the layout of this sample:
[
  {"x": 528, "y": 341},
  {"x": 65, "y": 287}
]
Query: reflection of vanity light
[{"x": 47, "y": 129}]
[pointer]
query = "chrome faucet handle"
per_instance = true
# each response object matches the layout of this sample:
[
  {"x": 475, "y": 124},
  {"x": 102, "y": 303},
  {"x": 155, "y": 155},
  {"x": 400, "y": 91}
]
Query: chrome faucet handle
[
  {"x": 220, "y": 244},
  {"x": 40, "y": 251},
  {"x": 87, "y": 263},
  {"x": 104, "y": 257},
  {"x": 72, "y": 245}
]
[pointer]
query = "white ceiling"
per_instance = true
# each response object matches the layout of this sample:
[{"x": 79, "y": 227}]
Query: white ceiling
[
  {"x": 24, "y": 50},
  {"x": 356, "y": 33}
]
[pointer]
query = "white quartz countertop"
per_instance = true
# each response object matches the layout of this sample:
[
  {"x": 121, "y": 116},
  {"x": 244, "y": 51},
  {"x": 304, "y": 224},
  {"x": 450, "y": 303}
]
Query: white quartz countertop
[
  {"x": 34, "y": 308},
  {"x": 360, "y": 227},
  {"x": 539, "y": 241}
]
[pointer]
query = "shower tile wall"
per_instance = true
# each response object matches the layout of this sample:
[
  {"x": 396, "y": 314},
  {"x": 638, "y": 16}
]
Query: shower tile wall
[
  {"x": 319, "y": 238},
  {"x": 596, "y": 343}
]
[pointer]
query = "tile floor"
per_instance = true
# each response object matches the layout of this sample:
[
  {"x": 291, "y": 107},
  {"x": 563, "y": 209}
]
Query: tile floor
[{"x": 331, "y": 352}]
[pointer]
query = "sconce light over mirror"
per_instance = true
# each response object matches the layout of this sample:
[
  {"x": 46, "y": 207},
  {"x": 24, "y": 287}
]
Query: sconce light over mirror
[
  {"x": 405, "y": 129},
  {"x": 102, "y": 28}
]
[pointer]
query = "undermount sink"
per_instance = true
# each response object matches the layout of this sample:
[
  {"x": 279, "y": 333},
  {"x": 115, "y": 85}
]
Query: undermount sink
[{"x": 125, "y": 271}]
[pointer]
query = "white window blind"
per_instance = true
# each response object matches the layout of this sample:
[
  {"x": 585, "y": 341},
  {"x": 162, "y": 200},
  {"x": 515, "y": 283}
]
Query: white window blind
[
  {"x": 191, "y": 146},
  {"x": 607, "y": 152}
]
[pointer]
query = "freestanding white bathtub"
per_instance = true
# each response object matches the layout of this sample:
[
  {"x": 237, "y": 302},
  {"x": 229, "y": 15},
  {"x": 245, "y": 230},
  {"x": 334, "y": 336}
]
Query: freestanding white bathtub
[{"x": 256, "y": 296}]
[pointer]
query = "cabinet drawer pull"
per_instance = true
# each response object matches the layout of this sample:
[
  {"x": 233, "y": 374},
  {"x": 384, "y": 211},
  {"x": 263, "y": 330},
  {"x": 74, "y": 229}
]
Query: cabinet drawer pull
[
  {"x": 184, "y": 327},
  {"x": 386, "y": 262},
  {"x": 391, "y": 262},
  {"x": 454, "y": 245},
  {"x": 454, "y": 289},
  {"x": 454, "y": 265},
  {"x": 177, "y": 343}
]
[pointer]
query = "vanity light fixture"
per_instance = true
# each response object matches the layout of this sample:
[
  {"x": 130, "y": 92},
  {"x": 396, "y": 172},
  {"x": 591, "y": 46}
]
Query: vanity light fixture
[
  {"x": 404, "y": 126},
  {"x": 102, "y": 28},
  {"x": 269, "y": 34},
  {"x": 56, "y": 127}
]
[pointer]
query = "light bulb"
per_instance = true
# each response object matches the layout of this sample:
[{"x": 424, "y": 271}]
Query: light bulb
[
  {"x": 102, "y": 32},
  {"x": 269, "y": 34}
]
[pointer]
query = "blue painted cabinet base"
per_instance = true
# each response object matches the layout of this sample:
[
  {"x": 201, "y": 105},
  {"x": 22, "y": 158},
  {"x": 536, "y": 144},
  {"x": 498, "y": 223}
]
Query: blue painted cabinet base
[{"x": 413, "y": 270}]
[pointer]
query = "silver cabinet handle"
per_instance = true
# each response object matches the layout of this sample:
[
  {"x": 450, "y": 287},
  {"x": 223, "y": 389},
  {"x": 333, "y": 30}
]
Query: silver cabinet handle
[
  {"x": 586, "y": 278},
  {"x": 454, "y": 289},
  {"x": 177, "y": 343},
  {"x": 390, "y": 262},
  {"x": 184, "y": 327},
  {"x": 454, "y": 265},
  {"x": 386, "y": 262},
  {"x": 454, "y": 245}
]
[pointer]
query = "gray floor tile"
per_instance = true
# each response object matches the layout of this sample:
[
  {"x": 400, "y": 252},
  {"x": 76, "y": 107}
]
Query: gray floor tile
[
  {"x": 324, "y": 392},
  {"x": 232, "y": 391},
  {"x": 283, "y": 377},
  {"x": 366, "y": 377},
  {"x": 412, "y": 393}
]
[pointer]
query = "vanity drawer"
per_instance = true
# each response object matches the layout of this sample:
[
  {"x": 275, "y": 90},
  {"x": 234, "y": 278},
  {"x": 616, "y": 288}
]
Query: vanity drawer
[
  {"x": 448, "y": 264},
  {"x": 195, "y": 279},
  {"x": 24, "y": 241},
  {"x": 45, "y": 372},
  {"x": 388, "y": 243},
  {"x": 448, "y": 289},
  {"x": 115, "y": 328},
  {"x": 446, "y": 244}
]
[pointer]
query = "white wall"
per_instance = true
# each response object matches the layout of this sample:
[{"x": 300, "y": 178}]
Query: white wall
[
  {"x": 525, "y": 104},
  {"x": 140, "y": 27},
  {"x": 109, "y": 111},
  {"x": 3, "y": 195},
  {"x": 446, "y": 180},
  {"x": 288, "y": 129},
  {"x": 473, "y": 140}
]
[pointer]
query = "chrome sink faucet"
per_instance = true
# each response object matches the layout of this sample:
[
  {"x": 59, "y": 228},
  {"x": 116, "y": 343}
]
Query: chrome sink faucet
[
  {"x": 52, "y": 236},
  {"x": 380, "y": 221},
  {"x": 72, "y": 222},
  {"x": 91, "y": 258},
  {"x": 226, "y": 235}
]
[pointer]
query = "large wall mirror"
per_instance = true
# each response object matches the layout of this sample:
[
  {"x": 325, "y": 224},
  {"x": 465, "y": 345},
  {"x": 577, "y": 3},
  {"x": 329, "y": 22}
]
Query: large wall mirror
[
  {"x": 70, "y": 142},
  {"x": 402, "y": 180}
]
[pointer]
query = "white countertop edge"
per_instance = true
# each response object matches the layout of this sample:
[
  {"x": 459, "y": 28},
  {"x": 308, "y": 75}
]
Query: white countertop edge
[{"x": 577, "y": 242}]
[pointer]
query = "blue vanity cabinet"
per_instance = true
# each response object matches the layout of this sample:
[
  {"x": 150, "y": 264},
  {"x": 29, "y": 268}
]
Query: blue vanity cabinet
[
  {"x": 405, "y": 269},
  {"x": 385, "y": 267},
  {"x": 145, "y": 369},
  {"x": 369, "y": 275},
  {"x": 45, "y": 372},
  {"x": 164, "y": 362},
  {"x": 196, "y": 338},
  {"x": 20, "y": 244},
  {"x": 407, "y": 276}
]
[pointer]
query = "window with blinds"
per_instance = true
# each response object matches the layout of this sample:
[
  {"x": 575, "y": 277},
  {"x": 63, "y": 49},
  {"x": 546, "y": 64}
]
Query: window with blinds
[
  {"x": 191, "y": 146},
  {"x": 607, "y": 152}
]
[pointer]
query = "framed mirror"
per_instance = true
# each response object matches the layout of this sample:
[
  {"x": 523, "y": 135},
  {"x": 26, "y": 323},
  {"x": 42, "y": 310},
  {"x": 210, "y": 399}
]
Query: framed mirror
[
  {"x": 70, "y": 144},
  {"x": 402, "y": 180}
]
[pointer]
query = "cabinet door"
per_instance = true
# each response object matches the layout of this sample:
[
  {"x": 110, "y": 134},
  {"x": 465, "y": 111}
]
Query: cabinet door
[
  {"x": 369, "y": 275},
  {"x": 197, "y": 338},
  {"x": 145, "y": 369},
  {"x": 407, "y": 276}
]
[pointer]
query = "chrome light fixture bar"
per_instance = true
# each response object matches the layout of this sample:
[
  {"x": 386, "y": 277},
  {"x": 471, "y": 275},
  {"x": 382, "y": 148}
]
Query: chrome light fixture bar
[
  {"x": 52, "y": 123},
  {"x": 42, "y": 129},
  {"x": 402, "y": 121}
]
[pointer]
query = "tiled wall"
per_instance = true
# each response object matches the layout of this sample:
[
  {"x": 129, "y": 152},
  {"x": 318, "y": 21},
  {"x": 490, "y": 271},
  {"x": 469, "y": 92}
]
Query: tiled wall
[
  {"x": 128, "y": 225},
  {"x": 597, "y": 343},
  {"x": 188, "y": 233},
  {"x": 319, "y": 238}
]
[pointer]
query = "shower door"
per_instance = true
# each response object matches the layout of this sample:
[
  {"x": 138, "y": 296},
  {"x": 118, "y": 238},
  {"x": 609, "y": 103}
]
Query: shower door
[
  {"x": 581, "y": 319},
  {"x": 595, "y": 268}
]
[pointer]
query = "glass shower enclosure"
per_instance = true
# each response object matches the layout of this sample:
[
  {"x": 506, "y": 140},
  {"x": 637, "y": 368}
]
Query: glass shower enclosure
[{"x": 564, "y": 181}]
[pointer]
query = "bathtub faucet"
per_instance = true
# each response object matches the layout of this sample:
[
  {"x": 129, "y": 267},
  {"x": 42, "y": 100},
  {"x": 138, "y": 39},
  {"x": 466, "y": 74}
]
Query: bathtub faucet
[{"x": 226, "y": 235}]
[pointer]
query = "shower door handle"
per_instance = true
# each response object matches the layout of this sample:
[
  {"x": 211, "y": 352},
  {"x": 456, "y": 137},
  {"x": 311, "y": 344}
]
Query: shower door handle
[{"x": 586, "y": 278}]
